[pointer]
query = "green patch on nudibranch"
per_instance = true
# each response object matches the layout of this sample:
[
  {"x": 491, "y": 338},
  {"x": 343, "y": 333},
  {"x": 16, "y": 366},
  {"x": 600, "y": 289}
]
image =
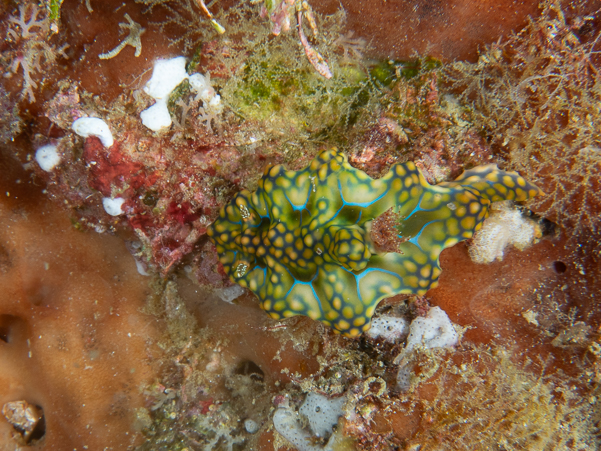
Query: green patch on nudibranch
[{"x": 299, "y": 242}]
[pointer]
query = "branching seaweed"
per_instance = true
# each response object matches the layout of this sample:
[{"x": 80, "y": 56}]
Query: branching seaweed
[
  {"x": 492, "y": 403},
  {"x": 537, "y": 97},
  {"x": 34, "y": 54}
]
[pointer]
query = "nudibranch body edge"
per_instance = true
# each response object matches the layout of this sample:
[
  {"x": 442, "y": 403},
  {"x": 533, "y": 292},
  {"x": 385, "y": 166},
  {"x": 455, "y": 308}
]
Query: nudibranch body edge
[{"x": 299, "y": 242}]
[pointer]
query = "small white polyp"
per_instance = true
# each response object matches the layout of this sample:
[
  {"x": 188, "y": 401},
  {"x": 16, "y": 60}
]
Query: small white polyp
[
  {"x": 200, "y": 85},
  {"x": 113, "y": 206},
  {"x": 157, "y": 116},
  {"x": 93, "y": 126},
  {"x": 47, "y": 157}
]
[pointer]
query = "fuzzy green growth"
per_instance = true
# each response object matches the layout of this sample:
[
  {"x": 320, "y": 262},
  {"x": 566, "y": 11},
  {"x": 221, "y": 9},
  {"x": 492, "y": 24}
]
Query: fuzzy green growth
[{"x": 536, "y": 97}]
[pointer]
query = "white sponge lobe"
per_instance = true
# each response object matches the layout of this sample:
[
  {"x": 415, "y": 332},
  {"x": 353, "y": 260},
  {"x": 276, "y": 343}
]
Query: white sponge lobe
[
  {"x": 322, "y": 413},
  {"x": 113, "y": 206},
  {"x": 47, "y": 157},
  {"x": 506, "y": 226},
  {"x": 435, "y": 330},
  {"x": 157, "y": 116},
  {"x": 390, "y": 328},
  {"x": 166, "y": 76},
  {"x": 93, "y": 126}
]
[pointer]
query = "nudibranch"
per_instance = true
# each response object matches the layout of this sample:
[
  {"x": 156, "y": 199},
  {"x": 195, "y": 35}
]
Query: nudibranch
[{"x": 300, "y": 241}]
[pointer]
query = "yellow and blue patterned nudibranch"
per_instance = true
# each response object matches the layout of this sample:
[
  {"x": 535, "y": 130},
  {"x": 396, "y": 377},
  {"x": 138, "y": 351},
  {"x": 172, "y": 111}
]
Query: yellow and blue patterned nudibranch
[{"x": 299, "y": 242}]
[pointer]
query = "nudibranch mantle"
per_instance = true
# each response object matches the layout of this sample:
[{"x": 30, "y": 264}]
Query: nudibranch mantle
[{"x": 299, "y": 242}]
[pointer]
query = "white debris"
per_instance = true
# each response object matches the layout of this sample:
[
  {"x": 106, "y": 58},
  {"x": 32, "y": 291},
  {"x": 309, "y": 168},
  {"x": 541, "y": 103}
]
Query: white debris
[
  {"x": 47, "y": 157},
  {"x": 228, "y": 294},
  {"x": 113, "y": 206},
  {"x": 435, "y": 330},
  {"x": 141, "y": 267},
  {"x": 322, "y": 414},
  {"x": 251, "y": 426},
  {"x": 93, "y": 126},
  {"x": 166, "y": 76},
  {"x": 505, "y": 226},
  {"x": 390, "y": 328}
]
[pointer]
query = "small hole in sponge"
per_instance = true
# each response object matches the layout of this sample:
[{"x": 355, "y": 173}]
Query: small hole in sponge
[
  {"x": 559, "y": 267},
  {"x": 7, "y": 327},
  {"x": 251, "y": 369},
  {"x": 40, "y": 429}
]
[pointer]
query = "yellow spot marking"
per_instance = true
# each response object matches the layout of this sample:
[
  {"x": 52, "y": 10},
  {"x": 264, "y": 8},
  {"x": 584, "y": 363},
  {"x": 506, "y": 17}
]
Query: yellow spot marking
[
  {"x": 450, "y": 242},
  {"x": 410, "y": 265},
  {"x": 412, "y": 281},
  {"x": 508, "y": 181},
  {"x": 347, "y": 312},
  {"x": 296, "y": 305},
  {"x": 344, "y": 248},
  {"x": 358, "y": 322},
  {"x": 468, "y": 223},
  {"x": 313, "y": 314},
  {"x": 452, "y": 225},
  {"x": 343, "y": 325},
  {"x": 475, "y": 207}
]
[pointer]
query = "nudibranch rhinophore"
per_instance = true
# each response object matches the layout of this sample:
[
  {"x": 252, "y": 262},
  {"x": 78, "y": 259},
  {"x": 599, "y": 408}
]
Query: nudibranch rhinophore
[{"x": 299, "y": 242}]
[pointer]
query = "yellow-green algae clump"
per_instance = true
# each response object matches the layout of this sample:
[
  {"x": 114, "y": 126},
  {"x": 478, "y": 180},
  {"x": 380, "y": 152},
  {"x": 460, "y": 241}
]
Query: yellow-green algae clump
[{"x": 300, "y": 243}]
